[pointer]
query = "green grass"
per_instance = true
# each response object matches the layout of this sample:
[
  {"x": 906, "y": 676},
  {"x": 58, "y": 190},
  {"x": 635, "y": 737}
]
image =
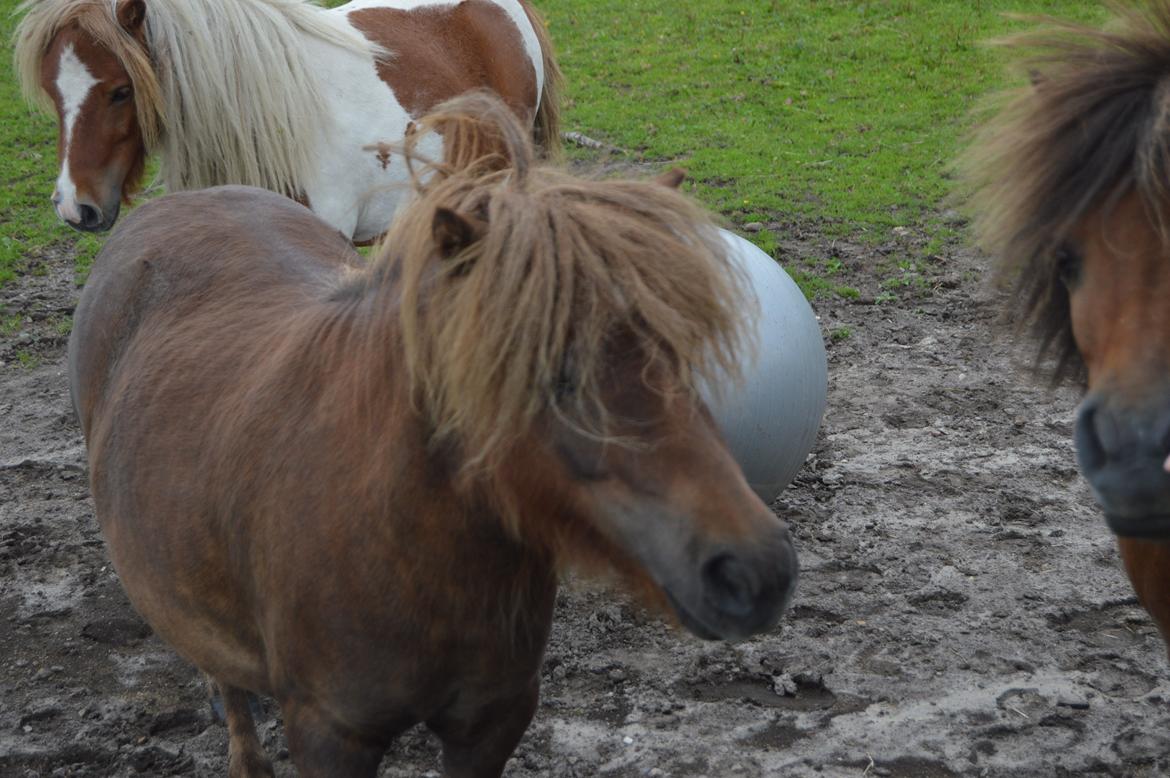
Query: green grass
[
  {"x": 816, "y": 286},
  {"x": 27, "y": 359},
  {"x": 840, "y": 111},
  {"x": 840, "y": 114},
  {"x": 28, "y": 168},
  {"x": 10, "y": 324}
]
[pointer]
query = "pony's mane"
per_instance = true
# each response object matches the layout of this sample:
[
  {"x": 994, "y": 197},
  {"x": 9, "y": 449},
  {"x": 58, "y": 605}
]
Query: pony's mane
[
  {"x": 1092, "y": 127},
  {"x": 225, "y": 91},
  {"x": 527, "y": 318}
]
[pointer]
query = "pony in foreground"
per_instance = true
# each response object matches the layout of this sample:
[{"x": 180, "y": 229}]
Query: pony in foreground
[
  {"x": 1072, "y": 190},
  {"x": 279, "y": 94},
  {"x": 353, "y": 488}
]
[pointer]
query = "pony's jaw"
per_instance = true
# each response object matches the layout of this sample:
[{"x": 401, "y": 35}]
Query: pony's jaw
[
  {"x": 718, "y": 588},
  {"x": 669, "y": 510},
  {"x": 680, "y": 508}
]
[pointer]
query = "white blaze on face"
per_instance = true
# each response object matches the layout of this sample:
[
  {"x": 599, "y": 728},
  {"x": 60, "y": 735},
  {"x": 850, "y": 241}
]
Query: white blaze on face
[{"x": 74, "y": 83}]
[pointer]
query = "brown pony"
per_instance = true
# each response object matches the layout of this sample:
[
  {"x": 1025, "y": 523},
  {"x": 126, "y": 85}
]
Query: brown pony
[
  {"x": 353, "y": 488},
  {"x": 280, "y": 94},
  {"x": 1072, "y": 193}
]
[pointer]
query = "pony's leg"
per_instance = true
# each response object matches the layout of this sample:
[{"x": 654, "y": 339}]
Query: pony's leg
[
  {"x": 246, "y": 758},
  {"x": 1148, "y": 564},
  {"x": 319, "y": 749},
  {"x": 215, "y": 702},
  {"x": 477, "y": 744}
]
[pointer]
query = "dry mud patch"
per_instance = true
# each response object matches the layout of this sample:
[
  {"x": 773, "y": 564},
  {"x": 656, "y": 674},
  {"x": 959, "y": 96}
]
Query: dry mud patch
[{"x": 961, "y": 610}]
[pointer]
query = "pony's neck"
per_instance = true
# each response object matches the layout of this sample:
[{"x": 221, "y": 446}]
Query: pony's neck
[{"x": 231, "y": 114}]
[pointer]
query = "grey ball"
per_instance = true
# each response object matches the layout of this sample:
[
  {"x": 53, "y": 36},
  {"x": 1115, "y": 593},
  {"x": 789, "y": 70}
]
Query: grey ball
[{"x": 770, "y": 419}]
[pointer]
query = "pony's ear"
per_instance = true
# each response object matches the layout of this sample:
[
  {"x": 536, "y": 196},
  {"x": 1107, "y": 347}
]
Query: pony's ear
[
  {"x": 672, "y": 178},
  {"x": 131, "y": 14},
  {"x": 454, "y": 231}
]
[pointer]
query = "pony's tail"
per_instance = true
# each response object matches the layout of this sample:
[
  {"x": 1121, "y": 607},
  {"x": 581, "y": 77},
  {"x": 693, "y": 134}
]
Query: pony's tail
[{"x": 546, "y": 129}]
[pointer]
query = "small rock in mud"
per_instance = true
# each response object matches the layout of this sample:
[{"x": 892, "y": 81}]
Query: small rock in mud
[{"x": 40, "y": 712}]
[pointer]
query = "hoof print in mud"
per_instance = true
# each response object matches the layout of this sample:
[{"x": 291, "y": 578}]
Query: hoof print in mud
[
  {"x": 161, "y": 760},
  {"x": 801, "y": 691},
  {"x": 117, "y": 631}
]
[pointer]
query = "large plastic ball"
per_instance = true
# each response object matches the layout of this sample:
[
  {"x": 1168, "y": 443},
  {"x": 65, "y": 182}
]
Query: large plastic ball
[{"x": 770, "y": 419}]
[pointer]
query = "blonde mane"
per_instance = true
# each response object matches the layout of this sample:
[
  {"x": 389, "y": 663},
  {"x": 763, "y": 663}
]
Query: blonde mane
[
  {"x": 569, "y": 274},
  {"x": 225, "y": 91}
]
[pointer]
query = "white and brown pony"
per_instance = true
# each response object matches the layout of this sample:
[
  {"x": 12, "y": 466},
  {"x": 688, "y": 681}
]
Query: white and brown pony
[{"x": 278, "y": 94}]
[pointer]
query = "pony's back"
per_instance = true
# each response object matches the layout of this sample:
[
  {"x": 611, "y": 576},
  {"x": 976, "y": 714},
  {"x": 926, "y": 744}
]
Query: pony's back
[{"x": 226, "y": 248}]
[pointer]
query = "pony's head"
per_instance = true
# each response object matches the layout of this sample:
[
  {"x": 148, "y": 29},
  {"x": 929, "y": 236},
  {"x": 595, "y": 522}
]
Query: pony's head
[
  {"x": 87, "y": 60},
  {"x": 1072, "y": 190},
  {"x": 554, "y": 330}
]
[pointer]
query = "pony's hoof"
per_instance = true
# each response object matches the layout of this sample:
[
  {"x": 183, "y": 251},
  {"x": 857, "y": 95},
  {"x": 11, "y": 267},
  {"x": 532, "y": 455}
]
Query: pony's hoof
[{"x": 249, "y": 764}]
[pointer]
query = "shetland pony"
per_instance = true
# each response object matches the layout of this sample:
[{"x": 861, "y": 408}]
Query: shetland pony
[
  {"x": 279, "y": 94},
  {"x": 1072, "y": 193},
  {"x": 352, "y": 488}
]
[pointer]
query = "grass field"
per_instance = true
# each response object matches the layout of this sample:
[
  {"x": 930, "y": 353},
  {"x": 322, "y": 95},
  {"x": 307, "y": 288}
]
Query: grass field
[{"x": 838, "y": 115}]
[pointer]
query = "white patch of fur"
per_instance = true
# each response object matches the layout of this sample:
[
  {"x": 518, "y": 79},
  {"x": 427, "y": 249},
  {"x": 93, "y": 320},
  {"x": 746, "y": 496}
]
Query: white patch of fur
[
  {"x": 74, "y": 83},
  {"x": 243, "y": 93},
  {"x": 348, "y": 186},
  {"x": 362, "y": 203}
]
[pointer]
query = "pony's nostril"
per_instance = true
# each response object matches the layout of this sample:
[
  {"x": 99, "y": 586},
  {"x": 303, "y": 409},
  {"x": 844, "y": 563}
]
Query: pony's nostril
[
  {"x": 1163, "y": 436},
  {"x": 91, "y": 217},
  {"x": 1090, "y": 452},
  {"x": 1108, "y": 435},
  {"x": 730, "y": 585}
]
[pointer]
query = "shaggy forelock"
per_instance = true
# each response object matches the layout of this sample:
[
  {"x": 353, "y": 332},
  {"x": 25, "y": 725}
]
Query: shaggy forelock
[
  {"x": 495, "y": 335},
  {"x": 1090, "y": 128}
]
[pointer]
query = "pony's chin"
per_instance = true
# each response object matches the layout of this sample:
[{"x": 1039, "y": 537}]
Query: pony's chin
[
  {"x": 111, "y": 217},
  {"x": 1149, "y": 527},
  {"x": 689, "y": 622}
]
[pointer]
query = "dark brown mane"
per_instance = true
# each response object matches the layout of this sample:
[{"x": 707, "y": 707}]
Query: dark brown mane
[{"x": 1091, "y": 128}]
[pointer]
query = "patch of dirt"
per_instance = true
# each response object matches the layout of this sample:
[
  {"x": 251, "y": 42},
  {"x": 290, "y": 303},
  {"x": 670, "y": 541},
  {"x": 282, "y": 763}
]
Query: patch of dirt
[{"x": 961, "y": 610}]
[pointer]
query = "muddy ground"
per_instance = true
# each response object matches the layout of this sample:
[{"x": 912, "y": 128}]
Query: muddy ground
[{"x": 961, "y": 609}]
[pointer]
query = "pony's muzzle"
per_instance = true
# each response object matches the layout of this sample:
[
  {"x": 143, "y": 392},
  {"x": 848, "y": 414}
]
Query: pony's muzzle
[
  {"x": 83, "y": 216},
  {"x": 1122, "y": 451},
  {"x": 744, "y": 590}
]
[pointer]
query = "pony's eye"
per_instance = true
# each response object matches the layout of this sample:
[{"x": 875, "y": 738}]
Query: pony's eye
[
  {"x": 1068, "y": 264},
  {"x": 583, "y": 459},
  {"x": 121, "y": 95}
]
